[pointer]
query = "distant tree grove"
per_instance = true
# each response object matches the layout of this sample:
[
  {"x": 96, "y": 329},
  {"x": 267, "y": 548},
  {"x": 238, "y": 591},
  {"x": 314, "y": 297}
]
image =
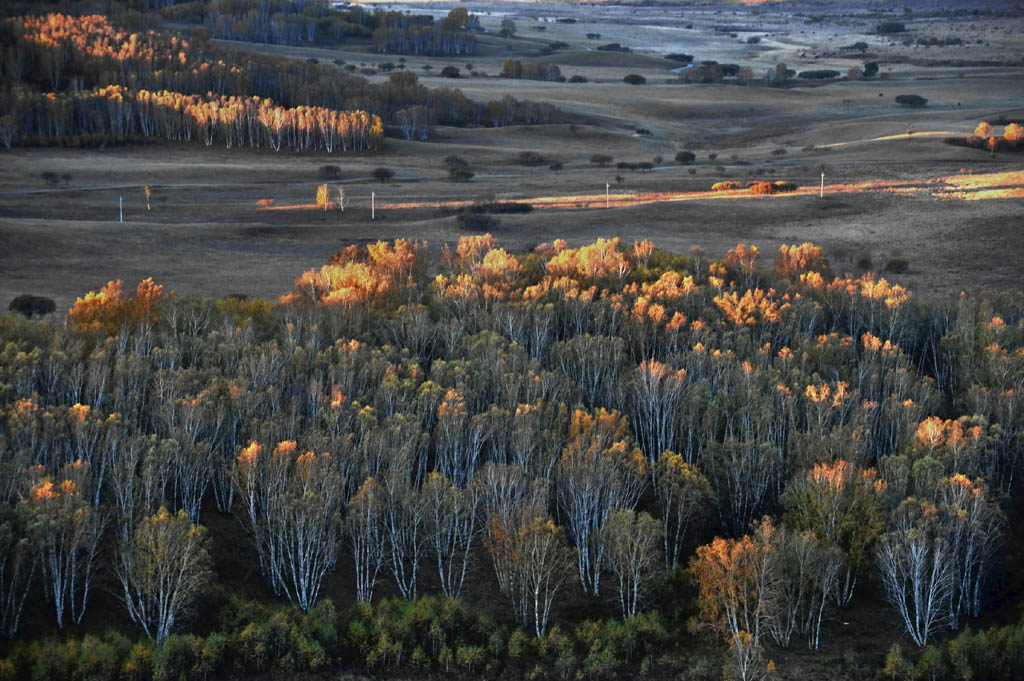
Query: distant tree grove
[
  {"x": 65, "y": 77},
  {"x": 564, "y": 425}
]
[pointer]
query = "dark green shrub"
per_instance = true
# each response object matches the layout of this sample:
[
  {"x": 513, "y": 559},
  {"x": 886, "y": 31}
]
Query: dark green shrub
[
  {"x": 686, "y": 157},
  {"x": 30, "y": 305},
  {"x": 330, "y": 172},
  {"x": 887, "y": 27},
  {"x": 634, "y": 79},
  {"x": 911, "y": 101},
  {"x": 530, "y": 158},
  {"x": 897, "y": 266},
  {"x": 383, "y": 175},
  {"x": 819, "y": 74},
  {"x": 476, "y": 222}
]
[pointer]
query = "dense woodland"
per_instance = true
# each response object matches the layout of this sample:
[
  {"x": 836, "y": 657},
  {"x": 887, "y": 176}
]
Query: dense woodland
[
  {"x": 78, "y": 79},
  {"x": 572, "y": 463}
]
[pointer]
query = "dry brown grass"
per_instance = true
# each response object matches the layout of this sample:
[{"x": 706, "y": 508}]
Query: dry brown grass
[{"x": 207, "y": 234}]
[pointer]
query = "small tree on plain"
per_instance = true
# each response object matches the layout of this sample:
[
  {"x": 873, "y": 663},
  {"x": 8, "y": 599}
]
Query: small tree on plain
[
  {"x": 602, "y": 160},
  {"x": 323, "y": 197}
]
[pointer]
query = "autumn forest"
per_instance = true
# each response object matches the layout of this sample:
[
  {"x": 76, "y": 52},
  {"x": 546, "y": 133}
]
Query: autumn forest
[
  {"x": 479, "y": 409},
  {"x": 742, "y": 447}
]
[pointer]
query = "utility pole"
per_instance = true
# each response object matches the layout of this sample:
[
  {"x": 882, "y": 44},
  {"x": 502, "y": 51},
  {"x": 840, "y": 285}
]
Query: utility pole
[
  {"x": 120, "y": 206},
  {"x": 373, "y": 205},
  {"x": 821, "y": 195},
  {"x": 606, "y": 188}
]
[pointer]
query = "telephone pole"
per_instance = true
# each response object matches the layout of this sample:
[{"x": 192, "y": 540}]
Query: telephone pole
[
  {"x": 373, "y": 205},
  {"x": 606, "y": 188},
  {"x": 821, "y": 194},
  {"x": 120, "y": 206}
]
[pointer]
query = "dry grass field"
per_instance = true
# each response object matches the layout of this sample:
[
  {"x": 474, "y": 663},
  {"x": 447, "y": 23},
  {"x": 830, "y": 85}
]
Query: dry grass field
[{"x": 206, "y": 234}]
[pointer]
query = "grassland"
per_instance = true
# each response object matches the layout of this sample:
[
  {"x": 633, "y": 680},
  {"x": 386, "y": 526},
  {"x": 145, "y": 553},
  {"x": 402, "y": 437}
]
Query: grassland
[{"x": 207, "y": 235}]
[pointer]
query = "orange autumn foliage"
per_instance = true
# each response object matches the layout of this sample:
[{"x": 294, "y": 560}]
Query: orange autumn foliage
[
  {"x": 110, "y": 309},
  {"x": 754, "y": 306},
  {"x": 806, "y": 258}
]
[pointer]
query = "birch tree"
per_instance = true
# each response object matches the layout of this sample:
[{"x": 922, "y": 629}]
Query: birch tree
[
  {"x": 685, "y": 495},
  {"x": 292, "y": 508},
  {"x": 630, "y": 542},
  {"x": 65, "y": 532},
  {"x": 17, "y": 567},
  {"x": 405, "y": 515},
  {"x": 164, "y": 571},
  {"x": 599, "y": 470},
  {"x": 452, "y": 523},
  {"x": 655, "y": 399},
  {"x": 364, "y": 526},
  {"x": 974, "y": 529},
  {"x": 916, "y": 568}
]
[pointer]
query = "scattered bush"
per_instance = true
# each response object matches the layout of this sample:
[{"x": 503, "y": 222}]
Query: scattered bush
[
  {"x": 450, "y": 72},
  {"x": 911, "y": 101},
  {"x": 556, "y": 166},
  {"x": 530, "y": 158},
  {"x": 477, "y": 222},
  {"x": 897, "y": 266},
  {"x": 634, "y": 79},
  {"x": 601, "y": 159},
  {"x": 383, "y": 175},
  {"x": 30, "y": 305},
  {"x": 330, "y": 172},
  {"x": 685, "y": 58},
  {"x": 864, "y": 262},
  {"x": 460, "y": 174},
  {"x": 576, "y": 78},
  {"x": 887, "y": 27},
  {"x": 820, "y": 74},
  {"x": 778, "y": 152}
]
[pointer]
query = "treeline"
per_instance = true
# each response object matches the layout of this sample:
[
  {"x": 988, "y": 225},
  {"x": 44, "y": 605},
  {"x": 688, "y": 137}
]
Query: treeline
[
  {"x": 564, "y": 425},
  {"x": 401, "y": 33},
  {"x": 531, "y": 70},
  {"x": 290, "y": 22},
  {"x": 119, "y": 114},
  {"x": 278, "y": 22},
  {"x": 67, "y": 55}
]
